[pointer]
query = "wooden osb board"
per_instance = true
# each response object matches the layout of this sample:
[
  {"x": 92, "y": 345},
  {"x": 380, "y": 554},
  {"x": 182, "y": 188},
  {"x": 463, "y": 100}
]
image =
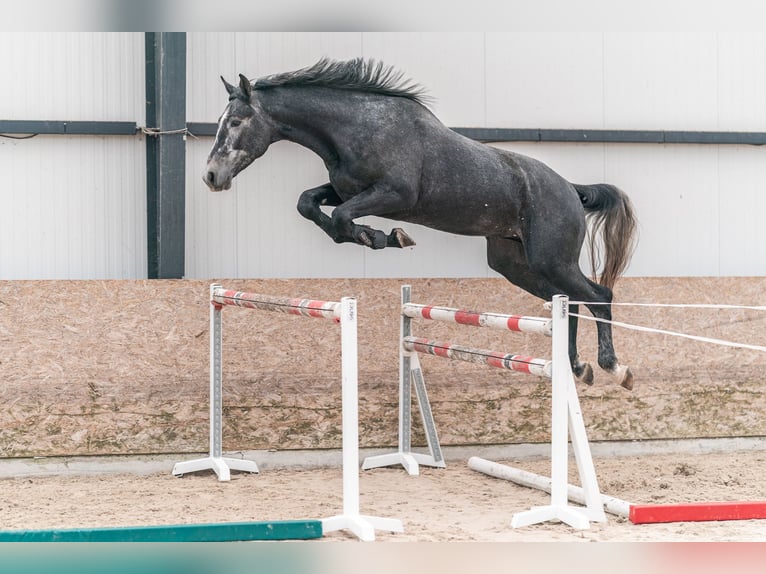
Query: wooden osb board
[{"x": 118, "y": 367}]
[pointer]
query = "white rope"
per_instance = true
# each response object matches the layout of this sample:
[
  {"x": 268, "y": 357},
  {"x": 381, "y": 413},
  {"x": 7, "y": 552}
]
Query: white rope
[
  {"x": 672, "y": 333},
  {"x": 157, "y": 132},
  {"x": 676, "y": 305}
]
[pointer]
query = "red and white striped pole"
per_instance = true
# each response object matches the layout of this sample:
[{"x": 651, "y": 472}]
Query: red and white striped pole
[
  {"x": 499, "y": 321},
  {"x": 500, "y": 360}
]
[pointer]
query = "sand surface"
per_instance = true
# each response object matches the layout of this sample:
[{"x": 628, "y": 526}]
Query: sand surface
[{"x": 452, "y": 504}]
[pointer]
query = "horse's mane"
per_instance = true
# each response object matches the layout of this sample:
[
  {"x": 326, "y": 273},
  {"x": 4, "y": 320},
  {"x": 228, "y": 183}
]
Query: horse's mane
[{"x": 357, "y": 74}]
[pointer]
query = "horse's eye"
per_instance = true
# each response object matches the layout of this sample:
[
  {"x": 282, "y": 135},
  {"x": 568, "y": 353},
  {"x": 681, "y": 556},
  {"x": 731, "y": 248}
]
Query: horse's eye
[{"x": 235, "y": 123}]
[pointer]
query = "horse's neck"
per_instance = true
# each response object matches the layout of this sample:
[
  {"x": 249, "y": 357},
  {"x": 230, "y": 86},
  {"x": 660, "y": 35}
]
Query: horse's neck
[{"x": 306, "y": 117}]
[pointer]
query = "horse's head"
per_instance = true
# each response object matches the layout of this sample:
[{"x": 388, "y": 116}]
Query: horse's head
[{"x": 244, "y": 134}]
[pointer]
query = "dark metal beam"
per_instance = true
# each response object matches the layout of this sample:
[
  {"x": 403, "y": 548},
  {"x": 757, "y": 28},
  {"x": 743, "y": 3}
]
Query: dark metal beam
[
  {"x": 68, "y": 128},
  {"x": 166, "y": 153},
  {"x": 201, "y": 129},
  {"x": 613, "y": 136},
  {"x": 204, "y": 129}
]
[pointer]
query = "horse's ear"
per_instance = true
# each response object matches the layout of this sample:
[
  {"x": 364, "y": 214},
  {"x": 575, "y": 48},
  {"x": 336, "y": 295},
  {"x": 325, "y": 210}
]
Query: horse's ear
[
  {"x": 244, "y": 85},
  {"x": 229, "y": 87}
]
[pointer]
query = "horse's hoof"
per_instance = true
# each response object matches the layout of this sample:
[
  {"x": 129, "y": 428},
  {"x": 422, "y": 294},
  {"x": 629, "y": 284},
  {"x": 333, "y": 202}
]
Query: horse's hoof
[
  {"x": 398, "y": 238},
  {"x": 364, "y": 239},
  {"x": 372, "y": 238},
  {"x": 625, "y": 377},
  {"x": 585, "y": 374}
]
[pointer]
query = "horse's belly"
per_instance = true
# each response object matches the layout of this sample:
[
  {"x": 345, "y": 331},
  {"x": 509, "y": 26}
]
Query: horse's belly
[{"x": 481, "y": 220}]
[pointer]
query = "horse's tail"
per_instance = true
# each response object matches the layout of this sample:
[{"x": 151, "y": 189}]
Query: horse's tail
[{"x": 610, "y": 214}]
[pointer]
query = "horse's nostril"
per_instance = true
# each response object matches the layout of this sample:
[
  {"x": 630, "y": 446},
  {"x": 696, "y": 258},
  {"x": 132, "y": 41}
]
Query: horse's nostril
[{"x": 210, "y": 177}]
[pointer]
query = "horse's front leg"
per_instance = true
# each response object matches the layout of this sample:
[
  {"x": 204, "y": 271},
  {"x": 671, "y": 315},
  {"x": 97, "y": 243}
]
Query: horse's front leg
[
  {"x": 375, "y": 200},
  {"x": 309, "y": 206}
]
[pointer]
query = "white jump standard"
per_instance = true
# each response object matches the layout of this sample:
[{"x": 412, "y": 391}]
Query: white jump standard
[
  {"x": 215, "y": 460},
  {"x": 565, "y": 412},
  {"x": 566, "y": 416},
  {"x": 343, "y": 312}
]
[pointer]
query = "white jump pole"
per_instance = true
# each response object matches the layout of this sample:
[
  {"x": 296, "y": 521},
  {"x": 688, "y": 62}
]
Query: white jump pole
[{"x": 576, "y": 494}]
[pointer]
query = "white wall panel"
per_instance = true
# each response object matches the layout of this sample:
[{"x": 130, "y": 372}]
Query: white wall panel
[
  {"x": 699, "y": 207},
  {"x": 211, "y": 220},
  {"x": 208, "y": 56},
  {"x": 276, "y": 52},
  {"x": 212, "y": 55},
  {"x": 435, "y": 254},
  {"x": 675, "y": 192},
  {"x": 73, "y": 76},
  {"x": 284, "y": 243},
  {"x": 73, "y": 208},
  {"x": 449, "y": 66},
  {"x": 741, "y": 209},
  {"x": 544, "y": 80},
  {"x": 659, "y": 81},
  {"x": 741, "y": 82}
]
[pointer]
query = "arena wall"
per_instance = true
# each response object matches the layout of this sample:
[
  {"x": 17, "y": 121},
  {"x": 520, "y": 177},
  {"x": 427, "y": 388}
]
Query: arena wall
[
  {"x": 121, "y": 367},
  {"x": 75, "y": 206}
]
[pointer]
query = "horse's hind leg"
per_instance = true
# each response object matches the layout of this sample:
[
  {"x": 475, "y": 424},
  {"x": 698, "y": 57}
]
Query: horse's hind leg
[
  {"x": 598, "y": 298},
  {"x": 583, "y": 371},
  {"x": 598, "y": 301},
  {"x": 554, "y": 253},
  {"x": 548, "y": 274},
  {"x": 507, "y": 257},
  {"x": 601, "y": 309}
]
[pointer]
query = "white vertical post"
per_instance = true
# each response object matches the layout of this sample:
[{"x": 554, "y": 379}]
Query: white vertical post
[
  {"x": 559, "y": 508},
  {"x": 215, "y": 461},
  {"x": 362, "y": 526},
  {"x": 410, "y": 374},
  {"x": 594, "y": 508},
  {"x": 405, "y": 389},
  {"x": 559, "y": 393},
  {"x": 350, "y": 405},
  {"x": 216, "y": 377}
]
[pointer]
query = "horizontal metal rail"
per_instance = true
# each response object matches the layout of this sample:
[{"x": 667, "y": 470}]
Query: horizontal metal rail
[
  {"x": 202, "y": 129},
  {"x": 613, "y": 136},
  {"x": 487, "y": 135},
  {"x": 44, "y": 127}
]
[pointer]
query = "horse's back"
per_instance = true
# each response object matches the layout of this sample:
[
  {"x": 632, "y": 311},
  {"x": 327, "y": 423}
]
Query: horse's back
[
  {"x": 488, "y": 189},
  {"x": 461, "y": 186}
]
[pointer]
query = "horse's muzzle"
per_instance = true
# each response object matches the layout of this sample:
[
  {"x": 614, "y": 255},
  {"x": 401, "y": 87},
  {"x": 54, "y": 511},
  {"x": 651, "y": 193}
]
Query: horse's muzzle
[{"x": 215, "y": 184}]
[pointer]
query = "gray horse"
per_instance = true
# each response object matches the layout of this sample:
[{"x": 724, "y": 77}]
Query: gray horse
[{"x": 388, "y": 155}]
